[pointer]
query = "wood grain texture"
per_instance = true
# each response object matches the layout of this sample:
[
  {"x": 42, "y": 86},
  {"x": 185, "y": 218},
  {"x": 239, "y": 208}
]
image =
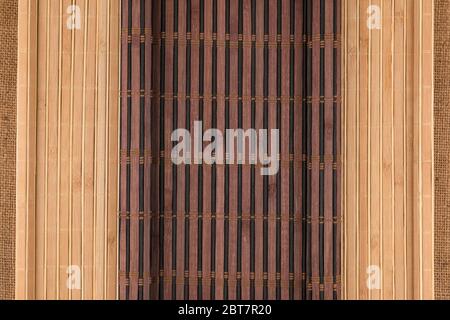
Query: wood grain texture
[
  {"x": 388, "y": 149},
  {"x": 67, "y": 137}
]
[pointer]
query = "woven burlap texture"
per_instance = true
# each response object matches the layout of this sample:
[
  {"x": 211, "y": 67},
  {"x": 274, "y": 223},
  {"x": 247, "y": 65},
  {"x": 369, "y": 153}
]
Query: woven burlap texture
[
  {"x": 442, "y": 149},
  {"x": 8, "y": 75}
]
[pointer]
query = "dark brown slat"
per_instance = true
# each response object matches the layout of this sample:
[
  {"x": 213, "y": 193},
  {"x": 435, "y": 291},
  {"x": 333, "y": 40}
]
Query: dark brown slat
[
  {"x": 233, "y": 185},
  {"x": 337, "y": 262},
  {"x": 284, "y": 138},
  {"x": 328, "y": 187},
  {"x": 207, "y": 124},
  {"x": 315, "y": 143},
  {"x": 258, "y": 177},
  {"x": 147, "y": 160},
  {"x": 134, "y": 156},
  {"x": 182, "y": 10},
  {"x": 155, "y": 189},
  {"x": 298, "y": 136},
  {"x": 272, "y": 124},
  {"x": 246, "y": 117},
  {"x": 220, "y": 206},
  {"x": 168, "y": 127},
  {"x": 194, "y": 168},
  {"x": 123, "y": 157}
]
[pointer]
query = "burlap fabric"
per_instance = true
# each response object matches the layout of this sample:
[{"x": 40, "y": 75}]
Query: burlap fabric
[
  {"x": 8, "y": 75},
  {"x": 442, "y": 149}
]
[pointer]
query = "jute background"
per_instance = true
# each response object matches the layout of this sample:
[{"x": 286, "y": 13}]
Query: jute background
[
  {"x": 442, "y": 149},
  {"x": 8, "y": 67}
]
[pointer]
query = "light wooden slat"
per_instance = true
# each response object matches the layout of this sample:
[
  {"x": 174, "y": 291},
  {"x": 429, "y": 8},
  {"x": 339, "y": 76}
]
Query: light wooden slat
[
  {"x": 41, "y": 186},
  {"x": 26, "y": 148},
  {"x": 88, "y": 153},
  {"x": 387, "y": 132},
  {"x": 113, "y": 138},
  {"x": 77, "y": 114}
]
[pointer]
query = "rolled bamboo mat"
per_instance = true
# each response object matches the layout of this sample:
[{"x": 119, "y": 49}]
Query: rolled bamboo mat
[
  {"x": 8, "y": 74},
  {"x": 442, "y": 149}
]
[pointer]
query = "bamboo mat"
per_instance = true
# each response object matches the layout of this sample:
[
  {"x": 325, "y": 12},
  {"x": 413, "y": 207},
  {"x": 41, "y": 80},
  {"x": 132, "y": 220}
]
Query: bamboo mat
[
  {"x": 8, "y": 70},
  {"x": 201, "y": 231}
]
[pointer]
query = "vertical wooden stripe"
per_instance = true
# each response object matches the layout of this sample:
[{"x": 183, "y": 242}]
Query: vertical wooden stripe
[
  {"x": 226, "y": 238},
  {"x": 181, "y": 74},
  {"x": 123, "y": 152},
  {"x": 245, "y": 124},
  {"x": 265, "y": 178},
  {"x": 220, "y": 182},
  {"x": 167, "y": 146},
  {"x": 298, "y": 191},
  {"x": 337, "y": 159},
  {"x": 187, "y": 172},
  {"x": 315, "y": 148},
  {"x": 134, "y": 152},
  {"x": 272, "y": 123},
  {"x": 41, "y": 164},
  {"x": 233, "y": 172},
  {"x": 214, "y": 124},
  {"x": 26, "y": 148},
  {"x": 286, "y": 134},
  {"x": 155, "y": 247},
  {"x": 328, "y": 158},
  {"x": 149, "y": 217},
  {"x": 259, "y": 91},
  {"x": 207, "y": 169},
  {"x": 113, "y": 155},
  {"x": 194, "y": 116},
  {"x": 76, "y": 154},
  {"x": 200, "y": 172},
  {"x": 252, "y": 226},
  {"x": 88, "y": 259},
  {"x": 305, "y": 152},
  {"x": 427, "y": 166}
]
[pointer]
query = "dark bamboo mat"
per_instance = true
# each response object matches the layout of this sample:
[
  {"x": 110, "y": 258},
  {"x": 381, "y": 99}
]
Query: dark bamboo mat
[{"x": 225, "y": 231}]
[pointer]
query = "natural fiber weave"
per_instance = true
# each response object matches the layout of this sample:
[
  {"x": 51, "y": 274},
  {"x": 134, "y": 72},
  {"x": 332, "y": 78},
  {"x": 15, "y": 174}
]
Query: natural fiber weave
[
  {"x": 8, "y": 75},
  {"x": 442, "y": 149}
]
